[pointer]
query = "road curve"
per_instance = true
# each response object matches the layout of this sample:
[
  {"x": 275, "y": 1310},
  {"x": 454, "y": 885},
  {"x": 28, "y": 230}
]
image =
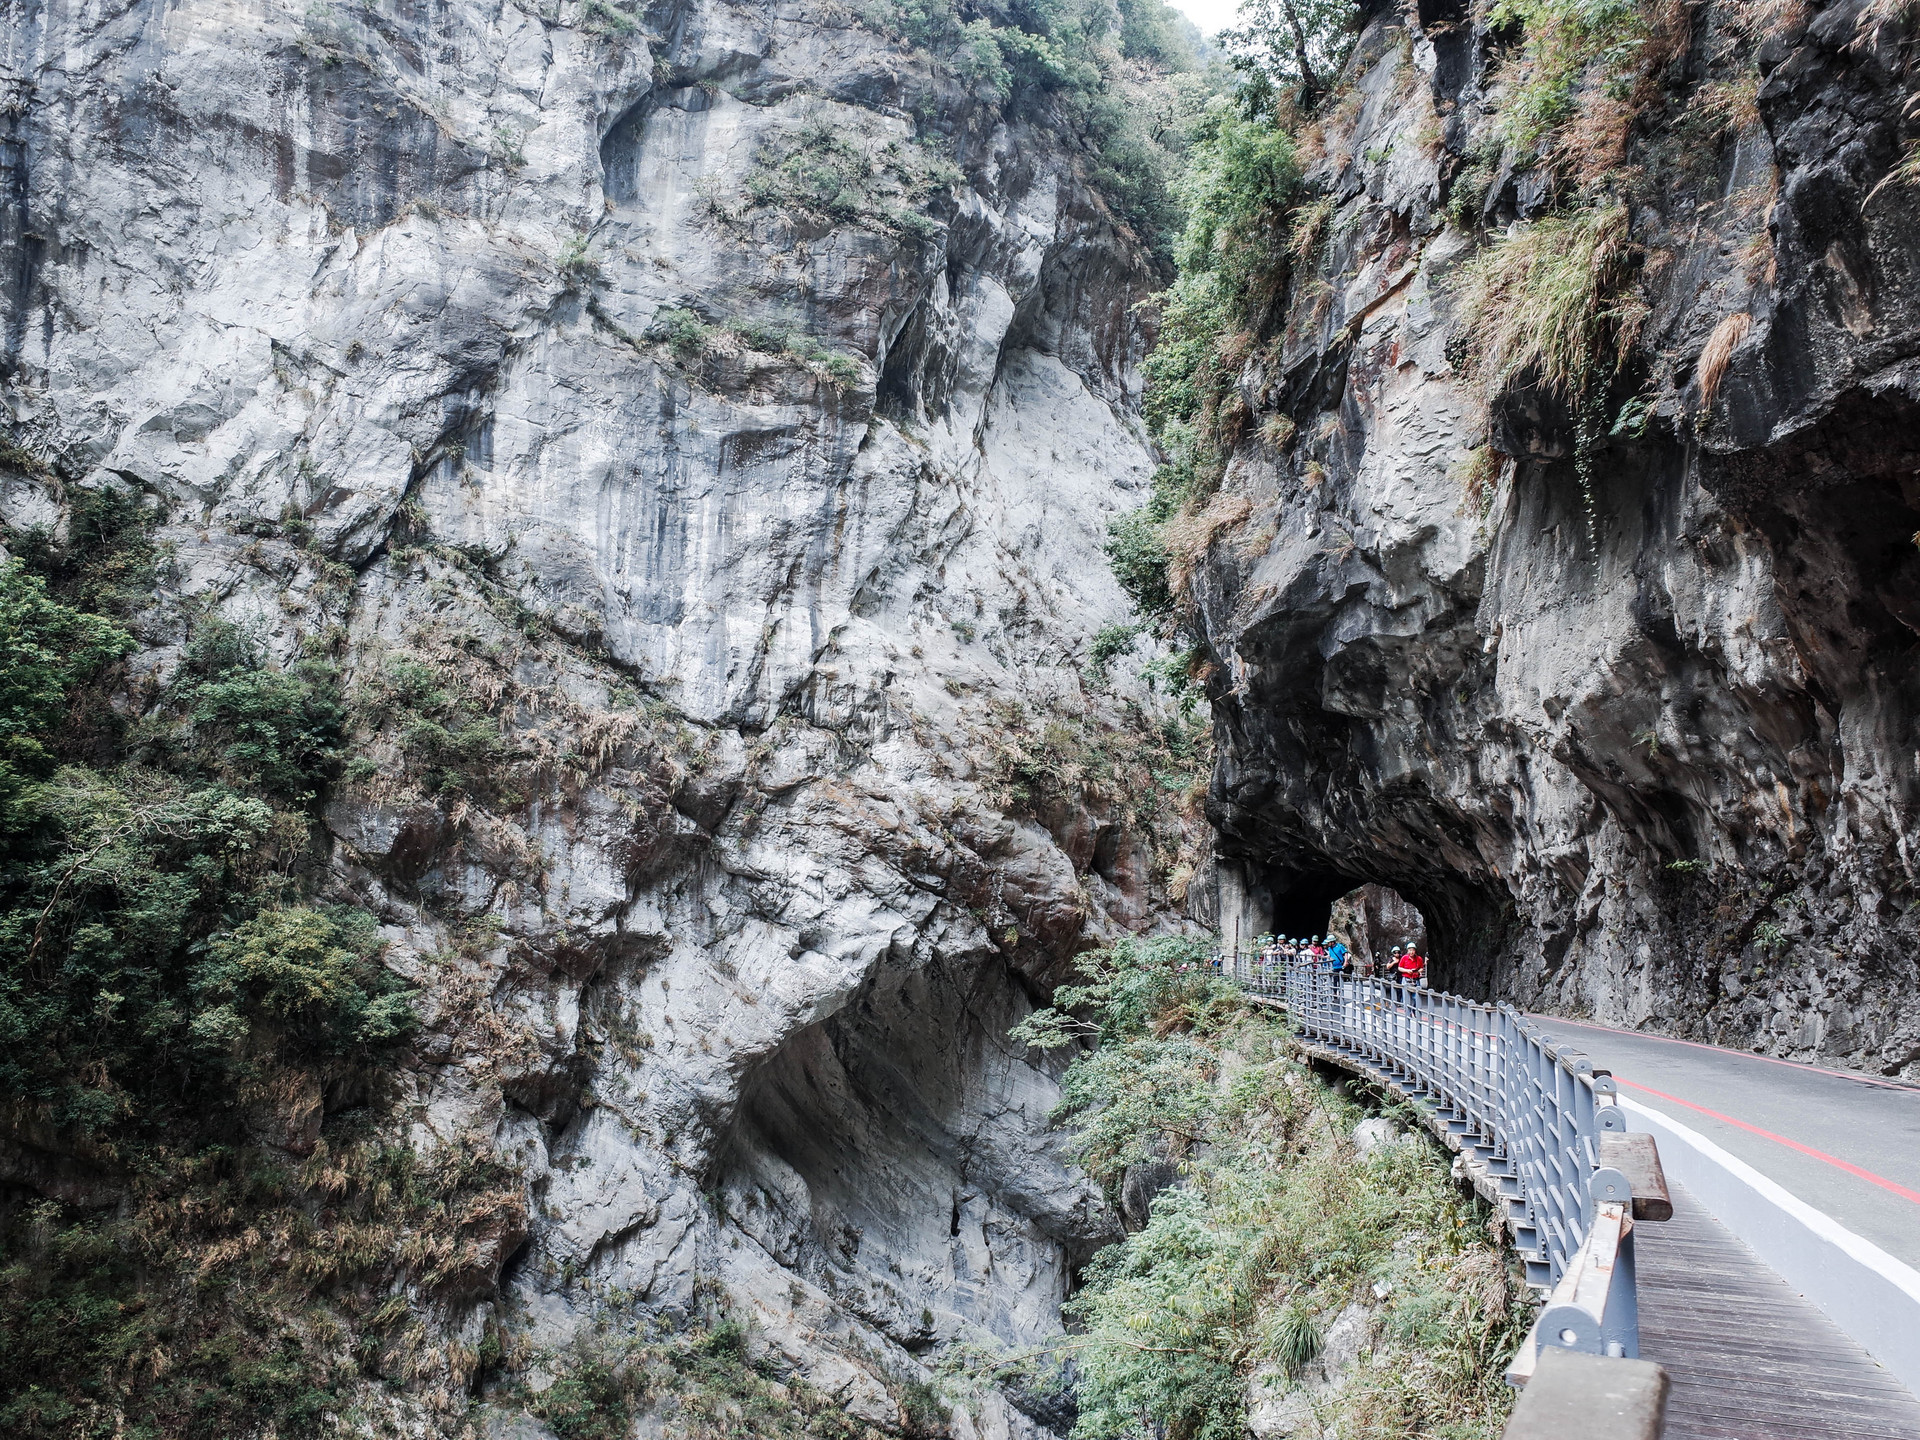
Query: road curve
[{"x": 1848, "y": 1145}]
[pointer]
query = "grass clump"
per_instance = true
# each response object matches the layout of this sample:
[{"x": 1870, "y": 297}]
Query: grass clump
[
  {"x": 1275, "y": 1230},
  {"x": 1563, "y": 42},
  {"x": 1550, "y": 302}
]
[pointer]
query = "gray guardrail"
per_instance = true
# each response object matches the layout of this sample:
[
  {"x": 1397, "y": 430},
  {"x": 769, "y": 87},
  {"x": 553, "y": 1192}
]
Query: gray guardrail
[{"x": 1537, "y": 1126}]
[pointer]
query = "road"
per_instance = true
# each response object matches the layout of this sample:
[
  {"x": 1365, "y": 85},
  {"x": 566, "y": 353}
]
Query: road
[{"x": 1848, "y": 1145}]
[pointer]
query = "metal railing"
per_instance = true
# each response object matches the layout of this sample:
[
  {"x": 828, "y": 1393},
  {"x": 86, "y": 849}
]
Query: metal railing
[{"x": 1539, "y": 1129}]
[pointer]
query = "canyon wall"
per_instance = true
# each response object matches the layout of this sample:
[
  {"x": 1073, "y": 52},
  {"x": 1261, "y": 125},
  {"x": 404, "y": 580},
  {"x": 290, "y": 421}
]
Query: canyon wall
[
  {"x": 712, "y": 413},
  {"x": 1629, "y": 714}
]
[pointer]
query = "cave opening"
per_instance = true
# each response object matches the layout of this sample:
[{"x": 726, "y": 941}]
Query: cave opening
[
  {"x": 1304, "y": 905},
  {"x": 1374, "y": 919},
  {"x": 1377, "y": 921}
]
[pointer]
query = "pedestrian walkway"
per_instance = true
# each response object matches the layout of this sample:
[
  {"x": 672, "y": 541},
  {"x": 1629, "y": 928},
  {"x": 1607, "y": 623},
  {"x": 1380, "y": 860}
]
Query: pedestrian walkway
[{"x": 1748, "y": 1358}]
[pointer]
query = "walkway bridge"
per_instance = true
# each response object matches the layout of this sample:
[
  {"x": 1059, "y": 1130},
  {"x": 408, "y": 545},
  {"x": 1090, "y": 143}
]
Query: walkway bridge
[{"x": 1750, "y": 1225}]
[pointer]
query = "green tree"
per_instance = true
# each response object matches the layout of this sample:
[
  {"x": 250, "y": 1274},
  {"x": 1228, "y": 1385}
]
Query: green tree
[
  {"x": 1298, "y": 43},
  {"x": 277, "y": 731},
  {"x": 46, "y": 651},
  {"x": 314, "y": 973}
]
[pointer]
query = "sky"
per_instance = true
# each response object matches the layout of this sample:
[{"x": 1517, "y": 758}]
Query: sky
[{"x": 1212, "y": 16}]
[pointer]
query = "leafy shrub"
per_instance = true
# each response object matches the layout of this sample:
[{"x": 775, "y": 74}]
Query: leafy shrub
[
  {"x": 1241, "y": 183},
  {"x": 682, "y": 331},
  {"x": 1122, "y": 990},
  {"x": 46, "y": 650},
  {"x": 925, "y": 1413},
  {"x": 107, "y": 562},
  {"x": 576, "y": 263},
  {"x": 1136, "y": 546},
  {"x": 818, "y": 172},
  {"x": 1110, "y": 644},
  {"x": 115, "y": 879},
  {"x": 454, "y": 749},
  {"x": 1242, "y": 193},
  {"x": 606, "y": 20},
  {"x": 277, "y": 731},
  {"x": 1176, "y": 673},
  {"x": 726, "y": 1341},
  {"x": 592, "y": 1400},
  {"x": 1062, "y": 62},
  {"x": 772, "y": 337},
  {"x": 316, "y": 973}
]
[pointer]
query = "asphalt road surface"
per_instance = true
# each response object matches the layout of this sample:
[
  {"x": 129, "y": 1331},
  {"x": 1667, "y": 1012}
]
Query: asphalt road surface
[{"x": 1846, "y": 1144}]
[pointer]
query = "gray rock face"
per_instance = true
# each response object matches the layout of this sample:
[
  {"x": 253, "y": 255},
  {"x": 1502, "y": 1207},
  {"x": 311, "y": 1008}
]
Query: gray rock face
[
  {"x": 1660, "y": 766},
  {"x": 481, "y": 347}
]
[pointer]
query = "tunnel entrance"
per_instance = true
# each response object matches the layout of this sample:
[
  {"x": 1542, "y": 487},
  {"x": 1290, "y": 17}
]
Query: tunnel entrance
[
  {"x": 1374, "y": 919},
  {"x": 1377, "y": 921},
  {"x": 1305, "y": 907}
]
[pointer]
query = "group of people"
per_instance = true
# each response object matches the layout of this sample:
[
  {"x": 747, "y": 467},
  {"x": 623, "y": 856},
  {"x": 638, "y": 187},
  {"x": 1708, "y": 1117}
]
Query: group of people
[{"x": 1331, "y": 953}]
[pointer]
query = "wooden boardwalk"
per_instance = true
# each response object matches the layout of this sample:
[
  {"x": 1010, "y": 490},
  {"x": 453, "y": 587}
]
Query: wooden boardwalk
[{"x": 1749, "y": 1358}]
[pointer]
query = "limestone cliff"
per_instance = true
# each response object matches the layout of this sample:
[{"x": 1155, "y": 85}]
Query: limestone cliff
[
  {"x": 1622, "y": 697},
  {"x": 692, "y": 432}
]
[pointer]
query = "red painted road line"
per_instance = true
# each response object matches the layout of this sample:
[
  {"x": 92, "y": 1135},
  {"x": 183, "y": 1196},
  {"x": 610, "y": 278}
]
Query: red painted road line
[
  {"x": 1880, "y": 1180},
  {"x": 1723, "y": 1050}
]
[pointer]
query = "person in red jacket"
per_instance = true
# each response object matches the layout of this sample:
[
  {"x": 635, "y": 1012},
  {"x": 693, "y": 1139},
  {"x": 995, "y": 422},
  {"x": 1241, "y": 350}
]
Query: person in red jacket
[{"x": 1412, "y": 967}]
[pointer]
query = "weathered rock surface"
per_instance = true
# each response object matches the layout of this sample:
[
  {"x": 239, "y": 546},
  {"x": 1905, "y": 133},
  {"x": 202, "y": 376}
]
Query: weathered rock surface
[
  {"x": 724, "y": 938},
  {"x": 1662, "y": 768}
]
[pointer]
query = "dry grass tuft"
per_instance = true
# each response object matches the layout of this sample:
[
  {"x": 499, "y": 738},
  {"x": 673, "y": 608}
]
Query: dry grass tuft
[
  {"x": 1729, "y": 106},
  {"x": 1880, "y": 16},
  {"x": 1188, "y": 537},
  {"x": 1551, "y": 299},
  {"x": 1477, "y": 473},
  {"x": 1308, "y": 227},
  {"x": 1277, "y": 431},
  {"x": 1907, "y": 170},
  {"x": 1718, "y": 354},
  {"x": 1594, "y": 143},
  {"x": 1754, "y": 20}
]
